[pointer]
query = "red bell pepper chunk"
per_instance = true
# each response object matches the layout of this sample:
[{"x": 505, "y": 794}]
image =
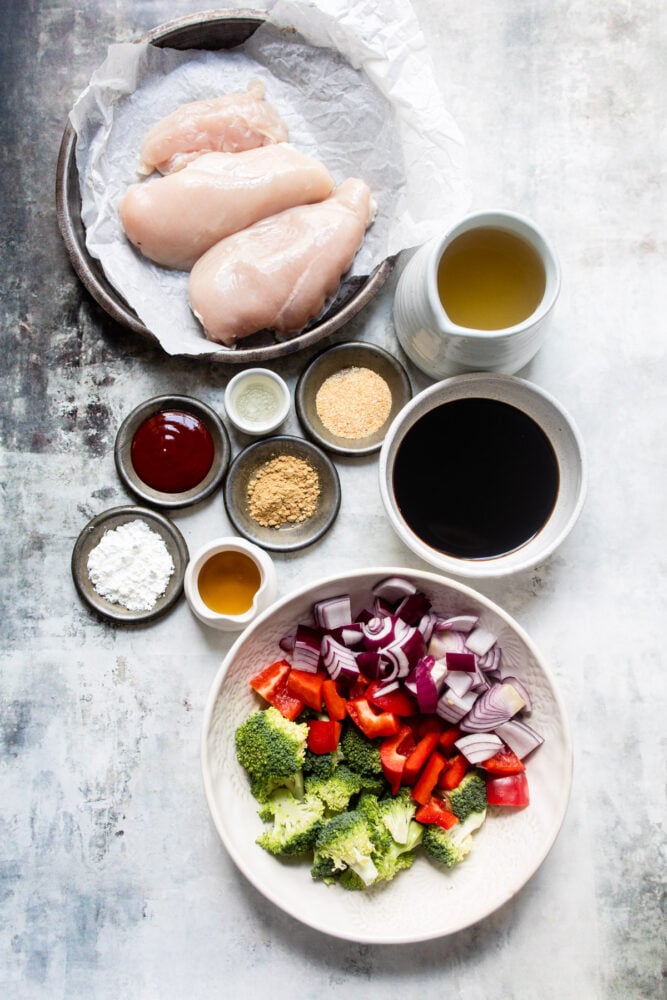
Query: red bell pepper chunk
[
  {"x": 372, "y": 724},
  {"x": 508, "y": 790},
  {"x": 435, "y": 811},
  {"x": 399, "y": 701},
  {"x": 271, "y": 683},
  {"x": 418, "y": 757},
  {"x": 269, "y": 677},
  {"x": 448, "y": 738},
  {"x": 306, "y": 686},
  {"x": 393, "y": 753},
  {"x": 428, "y": 778},
  {"x": 358, "y": 689},
  {"x": 451, "y": 777},
  {"x": 323, "y": 735},
  {"x": 429, "y": 724},
  {"x": 503, "y": 762},
  {"x": 333, "y": 702}
]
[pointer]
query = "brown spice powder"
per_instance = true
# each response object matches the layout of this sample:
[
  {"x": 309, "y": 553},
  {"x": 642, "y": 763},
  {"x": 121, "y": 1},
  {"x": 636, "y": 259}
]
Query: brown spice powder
[
  {"x": 353, "y": 403},
  {"x": 284, "y": 490}
]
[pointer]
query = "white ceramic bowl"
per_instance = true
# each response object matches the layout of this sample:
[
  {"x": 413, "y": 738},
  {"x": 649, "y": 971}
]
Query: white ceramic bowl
[
  {"x": 561, "y": 432},
  {"x": 263, "y": 598},
  {"x": 424, "y": 902},
  {"x": 257, "y": 401}
]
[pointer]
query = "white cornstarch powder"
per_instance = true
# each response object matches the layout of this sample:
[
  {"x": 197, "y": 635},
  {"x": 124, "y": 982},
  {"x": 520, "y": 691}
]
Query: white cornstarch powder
[{"x": 131, "y": 566}]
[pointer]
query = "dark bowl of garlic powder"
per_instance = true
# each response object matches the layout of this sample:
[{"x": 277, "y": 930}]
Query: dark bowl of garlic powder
[
  {"x": 348, "y": 396},
  {"x": 282, "y": 493}
]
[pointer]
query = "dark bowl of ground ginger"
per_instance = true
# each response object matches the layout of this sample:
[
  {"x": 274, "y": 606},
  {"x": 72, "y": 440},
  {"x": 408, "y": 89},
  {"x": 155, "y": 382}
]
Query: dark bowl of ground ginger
[
  {"x": 348, "y": 396},
  {"x": 282, "y": 493}
]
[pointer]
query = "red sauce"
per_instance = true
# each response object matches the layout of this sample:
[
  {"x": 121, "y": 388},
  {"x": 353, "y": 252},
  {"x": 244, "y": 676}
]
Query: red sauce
[{"x": 172, "y": 451}]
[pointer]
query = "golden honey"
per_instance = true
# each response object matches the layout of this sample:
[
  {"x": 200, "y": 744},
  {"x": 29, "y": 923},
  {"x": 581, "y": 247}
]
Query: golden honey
[{"x": 228, "y": 582}]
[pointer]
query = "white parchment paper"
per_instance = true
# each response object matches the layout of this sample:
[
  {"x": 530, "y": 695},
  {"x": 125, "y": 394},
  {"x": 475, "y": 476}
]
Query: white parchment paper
[{"x": 355, "y": 87}]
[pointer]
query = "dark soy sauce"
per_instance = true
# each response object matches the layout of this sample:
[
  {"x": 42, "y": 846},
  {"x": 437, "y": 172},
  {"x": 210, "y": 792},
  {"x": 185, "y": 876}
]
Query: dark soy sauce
[{"x": 476, "y": 478}]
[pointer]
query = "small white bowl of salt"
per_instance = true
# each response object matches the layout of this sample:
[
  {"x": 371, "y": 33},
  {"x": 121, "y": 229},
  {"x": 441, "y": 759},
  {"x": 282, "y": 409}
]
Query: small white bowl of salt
[{"x": 257, "y": 401}]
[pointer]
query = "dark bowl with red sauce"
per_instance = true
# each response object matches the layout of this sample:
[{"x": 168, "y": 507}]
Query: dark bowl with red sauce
[{"x": 172, "y": 451}]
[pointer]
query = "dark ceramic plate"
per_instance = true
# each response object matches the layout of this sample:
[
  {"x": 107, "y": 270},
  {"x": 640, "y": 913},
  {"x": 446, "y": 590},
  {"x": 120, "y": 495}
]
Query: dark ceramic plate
[
  {"x": 333, "y": 360},
  {"x": 130, "y": 426},
  {"x": 212, "y": 30},
  {"x": 287, "y": 537},
  {"x": 91, "y": 536}
]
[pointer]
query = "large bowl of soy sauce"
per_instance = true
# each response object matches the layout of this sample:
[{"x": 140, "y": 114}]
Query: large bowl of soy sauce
[{"x": 483, "y": 475}]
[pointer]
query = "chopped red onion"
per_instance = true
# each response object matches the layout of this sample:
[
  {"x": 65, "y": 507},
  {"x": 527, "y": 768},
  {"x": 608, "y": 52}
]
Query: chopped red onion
[
  {"x": 491, "y": 659},
  {"x": 480, "y": 641},
  {"x": 287, "y": 643},
  {"x": 446, "y": 642},
  {"x": 410, "y": 683},
  {"x": 427, "y": 688},
  {"x": 382, "y": 608},
  {"x": 387, "y": 688},
  {"x": 519, "y": 737},
  {"x": 333, "y": 612},
  {"x": 460, "y": 661},
  {"x": 394, "y": 588},
  {"x": 478, "y": 747},
  {"x": 413, "y": 608},
  {"x": 379, "y": 632},
  {"x": 405, "y": 649},
  {"x": 349, "y": 635},
  {"x": 426, "y": 625},
  {"x": 370, "y": 664},
  {"x": 451, "y": 708},
  {"x": 480, "y": 681},
  {"x": 492, "y": 708},
  {"x": 364, "y": 616},
  {"x": 459, "y": 623},
  {"x": 459, "y": 681},
  {"x": 306, "y": 653},
  {"x": 339, "y": 661},
  {"x": 522, "y": 690}
]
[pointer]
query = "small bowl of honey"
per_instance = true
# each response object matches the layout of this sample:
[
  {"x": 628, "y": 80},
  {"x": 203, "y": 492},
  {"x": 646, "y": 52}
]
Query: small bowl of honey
[{"x": 228, "y": 582}]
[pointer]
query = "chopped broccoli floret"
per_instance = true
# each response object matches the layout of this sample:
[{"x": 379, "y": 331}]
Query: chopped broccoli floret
[
  {"x": 345, "y": 842},
  {"x": 324, "y": 869},
  {"x": 397, "y": 814},
  {"x": 350, "y": 880},
  {"x": 396, "y": 857},
  {"x": 296, "y": 823},
  {"x": 361, "y": 754},
  {"x": 450, "y": 847},
  {"x": 336, "y": 790},
  {"x": 468, "y": 797},
  {"x": 390, "y": 856},
  {"x": 321, "y": 765},
  {"x": 272, "y": 749}
]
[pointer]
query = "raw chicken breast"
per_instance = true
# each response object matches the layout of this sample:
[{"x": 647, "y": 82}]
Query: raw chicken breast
[
  {"x": 279, "y": 273},
  {"x": 173, "y": 220},
  {"x": 228, "y": 124}
]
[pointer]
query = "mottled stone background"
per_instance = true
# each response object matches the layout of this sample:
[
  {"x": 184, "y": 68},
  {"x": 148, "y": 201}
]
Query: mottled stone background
[{"x": 112, "y": 880}]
